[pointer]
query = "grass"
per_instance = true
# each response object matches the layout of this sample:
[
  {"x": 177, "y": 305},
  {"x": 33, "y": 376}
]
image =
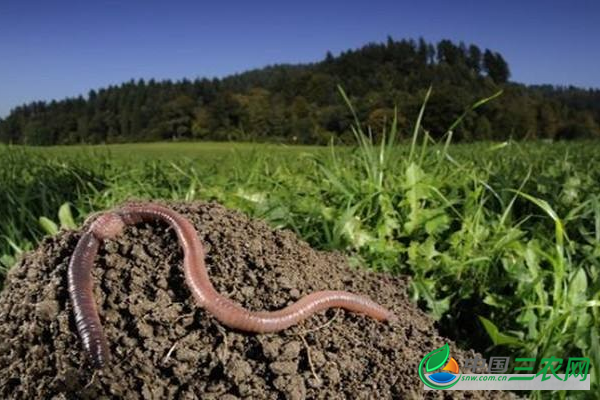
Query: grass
[
  {"x": 161, "y": 150},
  {"x": 502, "y": 240}
]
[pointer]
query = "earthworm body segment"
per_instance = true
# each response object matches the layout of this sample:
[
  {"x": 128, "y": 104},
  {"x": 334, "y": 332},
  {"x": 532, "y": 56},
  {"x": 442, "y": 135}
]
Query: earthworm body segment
[{"x": 229, "y": 313}]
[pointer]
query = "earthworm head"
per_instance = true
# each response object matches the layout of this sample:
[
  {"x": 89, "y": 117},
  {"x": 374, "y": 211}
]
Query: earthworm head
[{"x": 107, "y": 226}]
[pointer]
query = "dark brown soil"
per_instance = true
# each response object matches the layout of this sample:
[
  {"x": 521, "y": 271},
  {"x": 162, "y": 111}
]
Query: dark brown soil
[{"x": 164, "y": 346}]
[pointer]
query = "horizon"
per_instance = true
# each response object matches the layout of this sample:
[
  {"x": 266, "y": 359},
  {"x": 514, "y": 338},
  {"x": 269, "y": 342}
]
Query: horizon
[{"x": 67, "y": 50}]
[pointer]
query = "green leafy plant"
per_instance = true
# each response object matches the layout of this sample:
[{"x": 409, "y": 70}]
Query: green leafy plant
[{"x": 65, "y": 219}]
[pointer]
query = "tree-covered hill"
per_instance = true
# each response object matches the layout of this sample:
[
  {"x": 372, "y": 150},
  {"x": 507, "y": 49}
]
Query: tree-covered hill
[{"x": 301, "y": 103}]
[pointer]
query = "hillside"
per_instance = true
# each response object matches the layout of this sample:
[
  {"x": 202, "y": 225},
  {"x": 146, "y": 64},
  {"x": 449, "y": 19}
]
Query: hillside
[{"x": 301, "y": 103}]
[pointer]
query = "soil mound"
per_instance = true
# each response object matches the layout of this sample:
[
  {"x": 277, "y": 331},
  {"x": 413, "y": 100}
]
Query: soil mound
[{"x": 164, "y": 346}]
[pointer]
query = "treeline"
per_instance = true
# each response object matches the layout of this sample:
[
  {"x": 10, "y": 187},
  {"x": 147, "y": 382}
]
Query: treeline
[{"x": 301, "y": 103}]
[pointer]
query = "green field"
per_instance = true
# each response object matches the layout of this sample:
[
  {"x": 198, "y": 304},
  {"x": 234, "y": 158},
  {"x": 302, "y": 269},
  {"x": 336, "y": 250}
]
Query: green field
[
  {"x": 502, "y": 240},
  {"x": 165, "y": 151}
]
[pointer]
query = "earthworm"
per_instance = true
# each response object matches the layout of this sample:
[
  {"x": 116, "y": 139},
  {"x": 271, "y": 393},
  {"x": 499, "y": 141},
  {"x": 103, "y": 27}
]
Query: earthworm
[{"x": 229, "y": 313}]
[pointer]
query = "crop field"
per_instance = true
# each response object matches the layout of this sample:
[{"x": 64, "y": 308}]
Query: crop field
[{"x": 501, "y": 240}]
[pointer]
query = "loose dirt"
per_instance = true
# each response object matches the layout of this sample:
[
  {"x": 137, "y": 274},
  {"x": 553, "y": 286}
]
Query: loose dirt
[{"x": 164, "y": 346}]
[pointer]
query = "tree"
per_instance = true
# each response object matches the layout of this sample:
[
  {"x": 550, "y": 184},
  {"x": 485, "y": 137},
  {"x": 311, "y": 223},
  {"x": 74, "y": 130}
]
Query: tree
[
  {"x": 582, "y": 125},
  {"x": 483, "y": 128},
  {"x": 495, "y": 66},
  {"x": 329, "y": 57},
  {"x": 379, "y": 121},
  {"x": 37, "y": 133},
  {"x": 226, "y": 114},
  {"x": 201, "y": 123},
  {"x": 474, "y": 59},
  {"x": 300, "y": 103},
  {"x": 449, "y": 53},
  {"x": 178, "y": 117},
  {"x": 423, "y": 52},
  {"x": 548, "y": 121}
]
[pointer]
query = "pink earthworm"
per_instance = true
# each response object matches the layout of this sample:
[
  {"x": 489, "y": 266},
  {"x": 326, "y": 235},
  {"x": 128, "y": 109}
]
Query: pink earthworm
[{"x": 109, "y": 225}]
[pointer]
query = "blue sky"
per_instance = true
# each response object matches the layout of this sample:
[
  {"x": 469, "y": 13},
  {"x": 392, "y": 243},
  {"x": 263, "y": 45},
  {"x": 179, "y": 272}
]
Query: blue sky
[{"x": 51, "y": 50}]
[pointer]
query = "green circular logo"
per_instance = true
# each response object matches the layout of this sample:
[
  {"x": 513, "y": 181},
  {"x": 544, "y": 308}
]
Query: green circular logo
[{"x": 447, "y": 377}]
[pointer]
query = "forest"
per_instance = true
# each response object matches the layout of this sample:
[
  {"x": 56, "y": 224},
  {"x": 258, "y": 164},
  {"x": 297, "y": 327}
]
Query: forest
[{"x": 301, "y": 103}]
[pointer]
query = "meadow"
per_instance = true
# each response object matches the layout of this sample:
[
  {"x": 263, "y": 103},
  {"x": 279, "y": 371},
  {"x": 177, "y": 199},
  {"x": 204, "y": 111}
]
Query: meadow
[{"x": 501, "y": 240}]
